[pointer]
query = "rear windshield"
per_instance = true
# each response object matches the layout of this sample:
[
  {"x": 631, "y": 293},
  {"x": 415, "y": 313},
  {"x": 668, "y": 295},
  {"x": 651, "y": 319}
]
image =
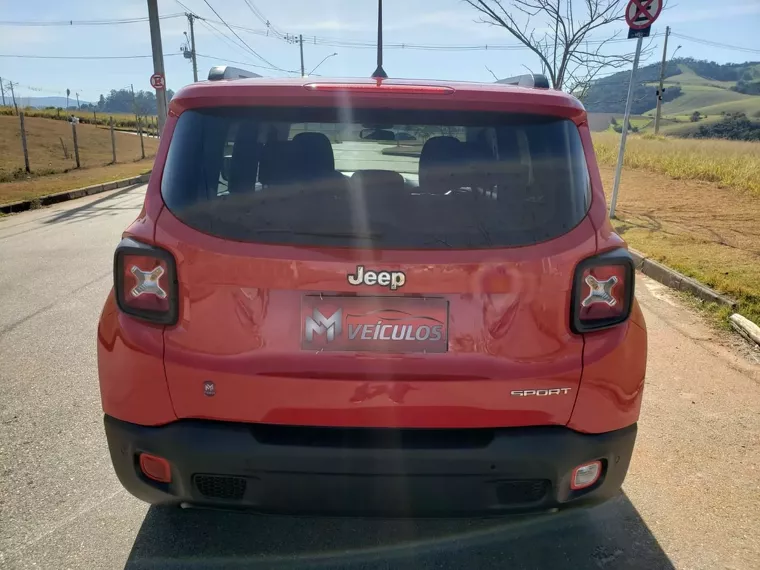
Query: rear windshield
[{"x": 376, "y": 178}]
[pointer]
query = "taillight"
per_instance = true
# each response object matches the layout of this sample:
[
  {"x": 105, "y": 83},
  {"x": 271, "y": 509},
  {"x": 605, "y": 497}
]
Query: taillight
[
  {"x": 602, "y": 291},
  {"x": 145, "y": 282}
]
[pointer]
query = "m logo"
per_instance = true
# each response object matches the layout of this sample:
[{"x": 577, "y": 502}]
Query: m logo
[{"x": 320, "y": 324}]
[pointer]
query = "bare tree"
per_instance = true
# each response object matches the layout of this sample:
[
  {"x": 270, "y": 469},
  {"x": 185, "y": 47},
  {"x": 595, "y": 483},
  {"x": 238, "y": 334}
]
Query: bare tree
[{"x": 568, "y": 56}]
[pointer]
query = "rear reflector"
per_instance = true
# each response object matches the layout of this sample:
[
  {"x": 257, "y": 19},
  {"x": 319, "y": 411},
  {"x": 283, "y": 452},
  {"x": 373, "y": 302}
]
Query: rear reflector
[
  {"x": 585, "y": 475},
  {"x": 145, "y": 282},
  {"x": 603, "y": 291},
  {"x": 156, "y": 468},
  {"x": 381, "y": 87}
]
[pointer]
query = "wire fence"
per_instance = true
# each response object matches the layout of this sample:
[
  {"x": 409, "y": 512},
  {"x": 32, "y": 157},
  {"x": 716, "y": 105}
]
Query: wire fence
[{"x": 42, "y": 141}]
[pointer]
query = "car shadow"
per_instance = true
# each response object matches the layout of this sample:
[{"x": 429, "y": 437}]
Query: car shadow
[
  {"x": 94, "y": 208},
  {"x": 612, "y": 535}
]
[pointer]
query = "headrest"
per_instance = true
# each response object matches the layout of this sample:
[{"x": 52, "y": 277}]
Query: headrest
[{"x": 312, "y": 155}]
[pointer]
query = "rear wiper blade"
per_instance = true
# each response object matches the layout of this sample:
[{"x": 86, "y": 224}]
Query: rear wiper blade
[{"x": 344, "y": 235}]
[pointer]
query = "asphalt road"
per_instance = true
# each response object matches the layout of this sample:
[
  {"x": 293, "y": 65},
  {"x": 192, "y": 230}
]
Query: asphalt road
[{"x": 691, "y": 499}]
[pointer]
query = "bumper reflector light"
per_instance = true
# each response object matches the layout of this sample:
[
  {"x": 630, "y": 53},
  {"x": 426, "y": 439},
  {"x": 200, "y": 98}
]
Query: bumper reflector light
[
  {"x": 585, "y": 475},
  {"x": 156, "y": 468}
]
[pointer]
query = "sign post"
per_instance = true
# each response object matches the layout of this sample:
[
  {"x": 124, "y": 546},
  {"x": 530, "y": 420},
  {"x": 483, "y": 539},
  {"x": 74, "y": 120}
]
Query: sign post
[{"x": 639, "y": 15}]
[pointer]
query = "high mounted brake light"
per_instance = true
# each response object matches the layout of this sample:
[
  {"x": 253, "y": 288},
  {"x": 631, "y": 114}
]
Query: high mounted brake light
[
  {"x": 603, "y": 289},
  {"x": 145, "y": 282},
  {"x": 381, "y": 87}
]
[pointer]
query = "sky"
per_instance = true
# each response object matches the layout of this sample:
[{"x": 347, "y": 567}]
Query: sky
[{"x": 428, "y": 22}]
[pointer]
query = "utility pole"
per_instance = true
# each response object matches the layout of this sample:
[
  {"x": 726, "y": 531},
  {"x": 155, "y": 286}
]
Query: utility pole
[
  {"x": 190, "y": 19},
  {"x": 2, "y": 90},
  {"x": 662, "y": 80},
  {"x": 78, "y": 106},
  {"x": 158, "y": 61},
  {"x": 13, "y": 95},
  {"x": 300, "y": 41}
]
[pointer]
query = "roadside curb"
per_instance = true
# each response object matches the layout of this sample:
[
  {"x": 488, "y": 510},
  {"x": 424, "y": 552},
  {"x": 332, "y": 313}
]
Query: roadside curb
[
  {"x": 679, "y": 281},
  {"x": 66, "y": 195}
]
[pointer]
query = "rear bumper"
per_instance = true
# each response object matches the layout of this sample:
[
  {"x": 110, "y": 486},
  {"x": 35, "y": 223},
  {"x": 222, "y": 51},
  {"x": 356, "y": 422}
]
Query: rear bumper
[{"x": 368, "y": 471}]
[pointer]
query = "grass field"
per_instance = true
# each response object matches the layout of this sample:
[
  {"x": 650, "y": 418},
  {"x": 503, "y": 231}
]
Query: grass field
[
  {"x": 30, "y": 188},
  {"x": 121, "y": 120},
  {"x": 45, "y": 141},
  {"x": 734, "y": 164},
  {"x": 693, "y": 205},
  {"x": 707, "y": 233}
]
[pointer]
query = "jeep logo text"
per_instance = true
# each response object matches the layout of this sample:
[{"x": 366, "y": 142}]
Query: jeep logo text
[{"x": 391, "y": 279}]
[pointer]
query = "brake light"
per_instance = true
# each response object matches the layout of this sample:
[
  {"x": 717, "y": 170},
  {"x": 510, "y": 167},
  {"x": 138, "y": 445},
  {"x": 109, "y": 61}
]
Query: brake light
[
  {"x": 145, "y": 282},
  {"x": 381, "y": 87},
  {"x": 602, "y": 291}
]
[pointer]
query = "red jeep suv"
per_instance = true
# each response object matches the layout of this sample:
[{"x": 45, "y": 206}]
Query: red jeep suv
[{"x": 372, "y": 297}]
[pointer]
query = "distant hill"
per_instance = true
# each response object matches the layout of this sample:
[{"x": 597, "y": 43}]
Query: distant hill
[
  {"x": 42, "y": 102},
  {"x": 710, "y": 88}
]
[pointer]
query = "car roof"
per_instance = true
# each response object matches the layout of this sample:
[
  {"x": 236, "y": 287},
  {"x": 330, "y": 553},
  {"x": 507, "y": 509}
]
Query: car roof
[{"x": 301, "y": 91}]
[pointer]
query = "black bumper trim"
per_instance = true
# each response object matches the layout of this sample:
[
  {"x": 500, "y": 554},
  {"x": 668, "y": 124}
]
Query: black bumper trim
[{"x": 505, "y": 475}]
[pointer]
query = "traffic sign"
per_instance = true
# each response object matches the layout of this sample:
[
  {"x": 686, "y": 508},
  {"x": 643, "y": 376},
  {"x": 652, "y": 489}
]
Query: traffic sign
[
  {"x": 640, "y": 14},
  {"x": 157, "y": 81}
]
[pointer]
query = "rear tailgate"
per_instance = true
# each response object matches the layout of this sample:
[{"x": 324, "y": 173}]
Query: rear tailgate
[
  {"x": 360, "y": 297},
  {"x": 244, "y": 329}
]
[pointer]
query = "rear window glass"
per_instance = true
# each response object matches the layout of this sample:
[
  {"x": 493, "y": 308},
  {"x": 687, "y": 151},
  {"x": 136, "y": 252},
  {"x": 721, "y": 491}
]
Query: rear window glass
[{"x": 376, "y": 178}]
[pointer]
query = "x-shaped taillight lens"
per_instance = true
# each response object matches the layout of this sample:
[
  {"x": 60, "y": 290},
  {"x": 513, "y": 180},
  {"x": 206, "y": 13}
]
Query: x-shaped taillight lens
[{"x": 145, "y": 282}]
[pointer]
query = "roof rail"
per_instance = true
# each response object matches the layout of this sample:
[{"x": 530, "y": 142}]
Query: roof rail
[
  {"x": 533, "y": 80},
  {"x": 228, "y": 72}
]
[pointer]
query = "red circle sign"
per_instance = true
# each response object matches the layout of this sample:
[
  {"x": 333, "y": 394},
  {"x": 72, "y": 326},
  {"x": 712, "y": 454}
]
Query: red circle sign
[
  {"x": 640, "y": 14},
  {"x": 157, "y": 81}
]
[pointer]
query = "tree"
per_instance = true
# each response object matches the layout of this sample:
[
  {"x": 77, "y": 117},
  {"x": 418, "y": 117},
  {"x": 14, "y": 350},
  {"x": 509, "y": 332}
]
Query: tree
[
  {"x": 695, "y": 116},
  {"x": 567, "y": 55}
]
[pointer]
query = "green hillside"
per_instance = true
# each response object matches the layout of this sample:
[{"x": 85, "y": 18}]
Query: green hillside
[
  {"x": 698, "y": 97},
  {"x": 711, "y": 89}
]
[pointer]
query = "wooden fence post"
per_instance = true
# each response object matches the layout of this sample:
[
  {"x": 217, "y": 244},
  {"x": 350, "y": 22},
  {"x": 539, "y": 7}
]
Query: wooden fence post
[
  {"x": 139, "y": 129},
  {"x": 113, "y": 140},
  {"x": 23, "y": 142},
  {"x": 76, "y": 144}
]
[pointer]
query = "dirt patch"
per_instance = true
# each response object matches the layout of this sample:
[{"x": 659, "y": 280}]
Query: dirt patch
[{"x": 706, "y": 232}]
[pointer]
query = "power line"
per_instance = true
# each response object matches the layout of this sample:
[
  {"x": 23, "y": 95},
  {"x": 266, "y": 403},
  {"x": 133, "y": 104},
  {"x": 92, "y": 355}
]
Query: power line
[
  {"x": 241, "y": 39},
  {"x": 107, "y": 22},
  {"x": 714, "y": 44},
  {"x": 363, "y": 44},
  {"x": 262, "y": 18},
  {"x": 82, "y": 56},
  {"x": 219, "y": 59}
]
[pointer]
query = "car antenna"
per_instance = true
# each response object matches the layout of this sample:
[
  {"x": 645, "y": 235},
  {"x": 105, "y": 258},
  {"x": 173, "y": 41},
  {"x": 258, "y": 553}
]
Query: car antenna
[{"x": 379, "y": 72}]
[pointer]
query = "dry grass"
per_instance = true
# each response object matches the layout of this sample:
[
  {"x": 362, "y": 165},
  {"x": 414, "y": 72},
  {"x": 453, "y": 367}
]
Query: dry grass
[
  {"x": 46, "y": 154},
  {"x": 732, "y": 164},
  {"x": 42, "y": 186},
  {"x": 706, "y": 232},
  {"x": 121, "y": 120}
]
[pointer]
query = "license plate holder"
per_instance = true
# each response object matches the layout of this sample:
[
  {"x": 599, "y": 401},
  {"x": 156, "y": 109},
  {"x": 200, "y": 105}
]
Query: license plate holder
[{"x": 374, "y": 324}]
